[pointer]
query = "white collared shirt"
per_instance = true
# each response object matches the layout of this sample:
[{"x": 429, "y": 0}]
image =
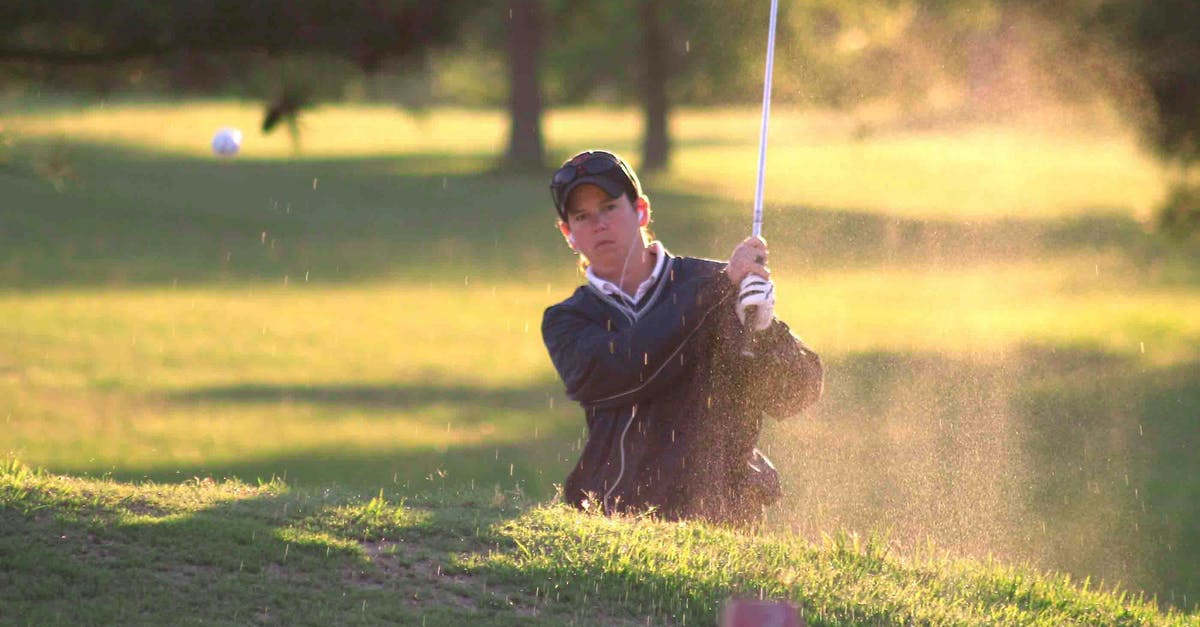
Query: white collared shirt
[{"x": 612, "y": 289}]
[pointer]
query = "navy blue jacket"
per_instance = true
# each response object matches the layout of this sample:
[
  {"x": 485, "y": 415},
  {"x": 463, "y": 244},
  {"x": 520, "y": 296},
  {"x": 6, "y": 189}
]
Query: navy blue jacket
[{"x": 673, "y": 410}]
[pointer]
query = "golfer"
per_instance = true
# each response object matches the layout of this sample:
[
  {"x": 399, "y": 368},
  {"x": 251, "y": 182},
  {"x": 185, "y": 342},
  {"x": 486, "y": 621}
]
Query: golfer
[{"x": 654, "y": 348}]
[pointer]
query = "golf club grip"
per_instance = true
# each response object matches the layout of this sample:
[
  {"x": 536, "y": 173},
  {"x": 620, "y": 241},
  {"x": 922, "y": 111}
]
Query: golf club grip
[
  {"x": 751, "y": 313},
  {"x": 748, "y": 332}
]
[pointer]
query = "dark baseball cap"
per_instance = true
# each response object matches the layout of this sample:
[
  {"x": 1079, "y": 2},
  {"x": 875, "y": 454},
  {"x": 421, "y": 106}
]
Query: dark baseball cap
[{"x": 601, "y": 168}]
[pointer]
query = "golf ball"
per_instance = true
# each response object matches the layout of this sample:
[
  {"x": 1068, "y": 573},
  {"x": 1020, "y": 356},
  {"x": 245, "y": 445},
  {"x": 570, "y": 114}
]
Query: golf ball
[{"x": 227, "y": 142}]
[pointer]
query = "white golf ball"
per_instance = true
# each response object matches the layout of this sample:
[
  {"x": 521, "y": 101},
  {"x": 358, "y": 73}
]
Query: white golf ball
[{"x": 227, "y": 142}]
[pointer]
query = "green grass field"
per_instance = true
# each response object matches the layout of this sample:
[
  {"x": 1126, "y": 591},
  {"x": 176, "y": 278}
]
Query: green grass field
[
  {"x": 1013, "y": 360},
  {"x": 231, "y": 553}
]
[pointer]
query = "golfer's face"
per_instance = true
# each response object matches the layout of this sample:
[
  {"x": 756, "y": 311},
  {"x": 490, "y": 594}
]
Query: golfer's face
[{"x": 604, "y": 227}]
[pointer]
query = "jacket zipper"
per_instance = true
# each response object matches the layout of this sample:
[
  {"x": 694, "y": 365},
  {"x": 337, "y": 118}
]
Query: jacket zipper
[{"x": 632, "y": 415}]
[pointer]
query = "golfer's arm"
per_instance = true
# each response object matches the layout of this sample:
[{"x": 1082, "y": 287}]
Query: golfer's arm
[{"x": 791, "y": 375}]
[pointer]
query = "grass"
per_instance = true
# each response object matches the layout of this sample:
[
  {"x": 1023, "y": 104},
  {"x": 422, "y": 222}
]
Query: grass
[
  {"x": 1054, "y": 168},
  {"x": 1012, "y": 358},
  {"x": 210, "y": 552}
]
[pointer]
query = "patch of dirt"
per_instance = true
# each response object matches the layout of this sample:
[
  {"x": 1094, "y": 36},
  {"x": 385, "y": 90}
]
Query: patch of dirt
[
  {"x": 424, "y": 572},
  {"x": 145, "y": 508},
  {"x": 98, "y": 549},
  {"x": 183, "y": 574},
  {"x": 401, "y": 561},
  {"x": 435, "y": 585}
]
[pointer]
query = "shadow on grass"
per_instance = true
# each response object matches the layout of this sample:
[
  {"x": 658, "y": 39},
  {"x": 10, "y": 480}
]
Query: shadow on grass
[
  {"x": 1071, "y": 458},
  {"x": 530, "y": 398},
  {"x": 73, "y": 555},
  {"x": 533, "y": 467},
  {"x": 532, "y": 462},
  {"x": 120, "y": 216},
  {"x": 127, "y": 217},
  {"x": 248, "y": 555}
]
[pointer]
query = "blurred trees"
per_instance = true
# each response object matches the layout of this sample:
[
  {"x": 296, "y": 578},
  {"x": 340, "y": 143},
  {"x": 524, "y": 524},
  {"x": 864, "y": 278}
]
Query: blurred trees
[
  {"x": 658, "y": 54},
  {"x": 966, "y": 58},
  {"x": 1163, "y": 40},
  {"x": 657, "y": 65},
  {"x": 207, "y": 46},
  {"x": 524, "y": 42},
  {"x": 51, "y": 33}
]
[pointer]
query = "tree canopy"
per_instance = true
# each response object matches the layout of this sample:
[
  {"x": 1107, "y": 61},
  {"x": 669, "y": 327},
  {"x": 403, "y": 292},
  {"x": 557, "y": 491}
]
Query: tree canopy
[
  {"x": 60, "y": 32},
  {"x": 1163, "y": 39}
]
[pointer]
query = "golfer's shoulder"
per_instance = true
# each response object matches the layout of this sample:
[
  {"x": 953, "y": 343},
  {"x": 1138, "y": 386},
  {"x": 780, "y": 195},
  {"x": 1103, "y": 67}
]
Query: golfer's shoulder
[
  {"x": 696, "y": 267},
  {"x": 704, "y": 278},
  {"x": 577, "y": 304}
]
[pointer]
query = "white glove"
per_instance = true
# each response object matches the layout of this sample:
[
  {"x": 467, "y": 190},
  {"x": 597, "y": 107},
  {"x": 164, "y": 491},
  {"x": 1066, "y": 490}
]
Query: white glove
[{"x": 760, "y": 293}]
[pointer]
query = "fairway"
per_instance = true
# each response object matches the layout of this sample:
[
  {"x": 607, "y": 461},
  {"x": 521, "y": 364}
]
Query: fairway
[{"x": 1013, "y": 359}]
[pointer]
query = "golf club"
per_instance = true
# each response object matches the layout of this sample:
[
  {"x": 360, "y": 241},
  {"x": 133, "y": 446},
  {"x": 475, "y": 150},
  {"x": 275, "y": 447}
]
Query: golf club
[{"x": 756, "y": 229}]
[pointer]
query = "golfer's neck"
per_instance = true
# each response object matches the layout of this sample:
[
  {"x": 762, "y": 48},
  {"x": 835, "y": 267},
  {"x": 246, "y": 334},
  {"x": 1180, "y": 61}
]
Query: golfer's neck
[{"x": 628, "y": 276}]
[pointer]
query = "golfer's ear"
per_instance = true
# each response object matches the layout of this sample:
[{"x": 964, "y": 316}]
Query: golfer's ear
[
  {"x": 566, "y": 233},
  {"x": 643, "y": 208}
]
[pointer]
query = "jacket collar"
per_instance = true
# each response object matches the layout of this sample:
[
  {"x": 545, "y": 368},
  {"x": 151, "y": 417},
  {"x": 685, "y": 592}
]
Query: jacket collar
[{"x": 609, "y": 288}]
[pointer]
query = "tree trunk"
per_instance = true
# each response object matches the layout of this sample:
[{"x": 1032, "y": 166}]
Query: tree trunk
[
  {"x": 525, "y": 149},
  {"x": 656, "y": 144}
]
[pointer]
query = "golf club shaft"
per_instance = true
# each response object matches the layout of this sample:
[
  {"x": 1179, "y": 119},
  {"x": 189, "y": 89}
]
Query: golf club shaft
[
  {"x": 766, "y": 116},
  {"x": 756, "y": 229}
]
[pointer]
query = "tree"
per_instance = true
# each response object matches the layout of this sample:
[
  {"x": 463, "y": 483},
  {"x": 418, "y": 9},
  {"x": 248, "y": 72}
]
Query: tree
[
  {"x": 656, "y": 71},
  {"x": 655, "y": 54},
  {"x": 61, "y": 32},
  {"x": 525, "y": 146},
  {"x": 1161, "y": 40},
  {"x": 658, "y": 54},
  {"x": 208, "y": 43}
]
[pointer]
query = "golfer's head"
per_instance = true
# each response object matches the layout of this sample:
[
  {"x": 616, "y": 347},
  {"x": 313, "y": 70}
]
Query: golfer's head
[{"x": 601, "y": 168}]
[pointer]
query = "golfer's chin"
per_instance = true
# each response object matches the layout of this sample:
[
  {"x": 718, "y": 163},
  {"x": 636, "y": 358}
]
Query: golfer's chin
[
  {"x": 606, "y": 266},
  {"x": 604, "y": 252}
]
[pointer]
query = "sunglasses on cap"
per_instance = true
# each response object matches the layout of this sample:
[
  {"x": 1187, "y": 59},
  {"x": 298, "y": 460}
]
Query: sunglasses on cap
[{"x": 594, "y": 163}]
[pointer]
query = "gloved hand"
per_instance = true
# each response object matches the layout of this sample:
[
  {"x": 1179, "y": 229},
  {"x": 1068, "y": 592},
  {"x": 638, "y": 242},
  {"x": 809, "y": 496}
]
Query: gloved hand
[{"x": 759, "y": 293}]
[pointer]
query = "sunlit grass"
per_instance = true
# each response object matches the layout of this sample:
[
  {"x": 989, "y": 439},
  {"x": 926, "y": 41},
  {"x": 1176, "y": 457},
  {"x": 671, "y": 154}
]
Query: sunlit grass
[
  {"x": 966, "y": 172},
  {"x": 222, "y": 551},
  {"x": 817, "y": 160},
  {"x": 160, "y": 321},
  {"x": 196, "y": 336},
  {"x": 145, "y": 380},
  {"x": 326, "y": 132},
  {"x": 993, "y": 308}
]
